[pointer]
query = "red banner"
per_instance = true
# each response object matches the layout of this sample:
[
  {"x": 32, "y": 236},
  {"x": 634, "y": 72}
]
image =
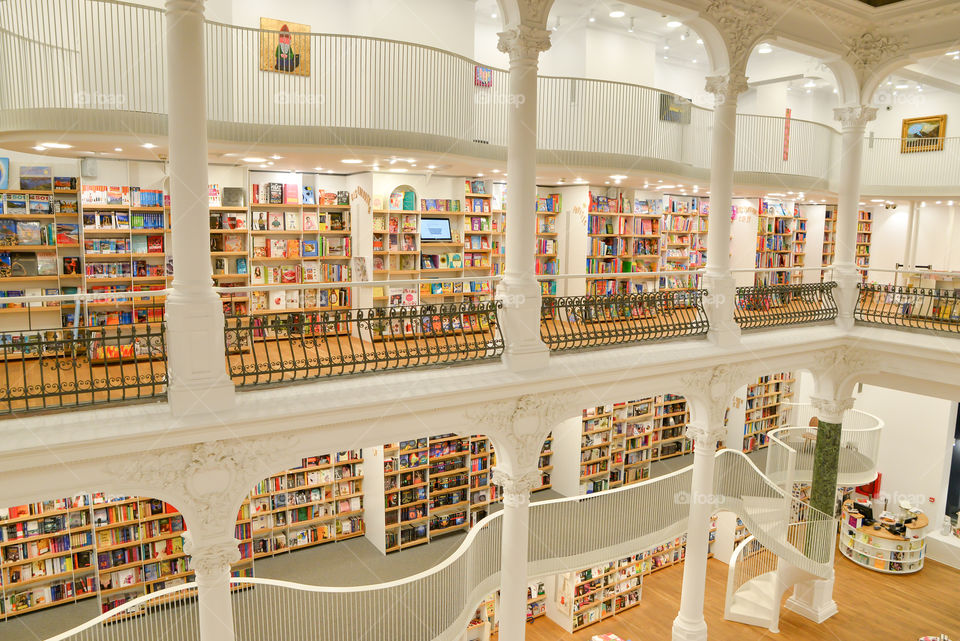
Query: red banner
[{"x": 786, "y": 136}]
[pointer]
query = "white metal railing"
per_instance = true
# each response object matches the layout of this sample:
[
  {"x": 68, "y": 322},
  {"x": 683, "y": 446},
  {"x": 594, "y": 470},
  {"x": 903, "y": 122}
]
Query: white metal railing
[
  {"x": 748, "y": 561},
  {"x": 170, "y": 614},
  {"x": 885, "y": 164},
  {"x": 106, "y": 56},
  {"x": 564, "y": 534}
]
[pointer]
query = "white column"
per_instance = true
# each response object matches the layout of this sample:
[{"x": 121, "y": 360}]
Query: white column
[
  {"x": 689, "y": 624},
  {"x": 718, "y": 281},
  {"x": 513, "y": 551},
  {"x": 195, "y": 342},
  {"x": 210, "y": 560},
  {"x": 519, "y": 292},
  {"x": 908, "y": 241},
  {"x": 951, "y": 225},
  {"x": 915, "y": 238},
  {"x": 854, "y": 122}
]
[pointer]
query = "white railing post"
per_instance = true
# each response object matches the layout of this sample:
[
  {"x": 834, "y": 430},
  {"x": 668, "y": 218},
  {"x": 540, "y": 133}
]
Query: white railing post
[
  {"x": 519, "y": 292},
  {"x": 718, "y": 281},
  {"x": 689, "y": 625},
  {"x": 198, "y": 382},
  {"x": 854, "y": 122}
]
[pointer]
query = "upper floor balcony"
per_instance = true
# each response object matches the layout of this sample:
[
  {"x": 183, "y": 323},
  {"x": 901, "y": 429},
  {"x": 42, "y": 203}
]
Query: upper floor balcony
[{"x": 97, "y": 67}]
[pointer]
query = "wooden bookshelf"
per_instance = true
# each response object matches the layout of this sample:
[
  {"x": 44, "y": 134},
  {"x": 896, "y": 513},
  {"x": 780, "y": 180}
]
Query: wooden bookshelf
[
  {"x": 683, "y": 242},
  {"x": 776, "y": 233},
  {"x": 864, "y": 237},
  {"x": 435, "y": 486},
  {"x": 765, "y": 408},
  {"x": 547, "y": 252},
  {"x": 623, "y": 238},
  {"x": 829, "y": 239},
  {"x": 319, "y": 502}
]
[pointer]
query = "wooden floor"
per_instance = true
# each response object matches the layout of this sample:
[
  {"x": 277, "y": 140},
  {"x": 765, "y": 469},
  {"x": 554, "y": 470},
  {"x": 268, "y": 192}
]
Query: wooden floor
[{"x": 873, "y": 607}]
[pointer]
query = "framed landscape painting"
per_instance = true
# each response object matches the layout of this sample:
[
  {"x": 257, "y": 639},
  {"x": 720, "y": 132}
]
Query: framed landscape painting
[
  {"x": 923, "y": 134},
  {"x": 284, "y": 47}
]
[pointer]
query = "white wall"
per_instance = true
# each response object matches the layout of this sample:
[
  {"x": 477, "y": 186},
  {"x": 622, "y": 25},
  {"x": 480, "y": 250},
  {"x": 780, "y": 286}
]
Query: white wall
[
  {"x": 619, "y": 57},
  {"x": 684, "y": 81},
  {"x": 743, "y": 239},
  {"x": 915, "y": 447},
  {"x": 912, "y": 104},
  {"x": 59, "y": 166}
]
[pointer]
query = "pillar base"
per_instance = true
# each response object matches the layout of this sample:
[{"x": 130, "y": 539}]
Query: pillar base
[
  {"x": 813, "y": 600},
  {"x": 524, "y": 350},
  {"x": 689, "y": 631},
  {"x": 720, "y": 304},
  {"x": 846, "y": 295},
  {"x": 529, "y": 360}
]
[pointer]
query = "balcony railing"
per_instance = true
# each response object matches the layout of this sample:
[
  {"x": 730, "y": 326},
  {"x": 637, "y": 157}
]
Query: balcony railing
[
  {"x": 779, "y": 305},
  {"x": 919, "y": 308},
  {"x": 581, "y": 322},
  {"x": 278, "y": 346},
  {"x": 49, "y": 367}
]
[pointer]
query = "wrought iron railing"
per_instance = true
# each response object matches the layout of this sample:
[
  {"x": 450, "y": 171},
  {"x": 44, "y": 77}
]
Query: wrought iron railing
[
  {"x": 577, "y": 322},
  {"x": 273, "y": 347},
  {"x": 912, "y": 307},
  {"x": 778, "y": 305},
  {"x": 49, "y": 367}
]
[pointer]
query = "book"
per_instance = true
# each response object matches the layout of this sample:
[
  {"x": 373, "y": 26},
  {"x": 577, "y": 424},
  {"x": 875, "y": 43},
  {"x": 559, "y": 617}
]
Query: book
[
  {"x": 310, "y": 221},
  {"x": 39, "y": 205},
  {"x": 46, "y": 264},
  {"x": 275, "y": 220},
  {"x": 293, "y": 248},
  {"x": 291, "y": 194},
  {"x": 16, "y": 205},
  {"x": 232, "y": 243},
  {"x": 309, "y": 248},
  {"x": 241, "y": 265},
  {"x": 24, "y": 265},
  {"x": 308, "y": 197},
  {"x": 71, "y": 265},
  {"x": 28, "y": 233},
  {"x": 260, "y": 221},
  {"x": 214, "y": 195},
  {"x": 290, "y": 221},
  {"x": 277, "y": 299},
  {"x": 36, "y": 178}
]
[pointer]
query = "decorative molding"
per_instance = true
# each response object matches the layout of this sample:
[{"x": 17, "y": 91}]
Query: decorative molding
[
  {"x": 209, "y": 560},
  {"x": 870, "y": 49},
  {"x": 700, "y": 432},
  {"x": 715, "y": 386},
  {"x": 521, "y": 424},
  {"x": 831, "y": 410},
  {"x": 206, "y": 481},
  {"x": 839, "y": 364},
  {"x": 524, "y": 43},
  {"x": 727, "y": 88},
  {"x": 533, "y": 11},
  {"x": 855, "y": 117},
  {"x": 516, "y": 487},
  {"x": 741, "y": 23}
]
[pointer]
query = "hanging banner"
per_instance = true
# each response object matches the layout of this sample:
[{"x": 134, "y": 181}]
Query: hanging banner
[{"x": 786, "y": 136}]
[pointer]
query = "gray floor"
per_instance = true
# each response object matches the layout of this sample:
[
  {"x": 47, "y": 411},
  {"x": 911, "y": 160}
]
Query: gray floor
[{"x": 349, "y": 563}]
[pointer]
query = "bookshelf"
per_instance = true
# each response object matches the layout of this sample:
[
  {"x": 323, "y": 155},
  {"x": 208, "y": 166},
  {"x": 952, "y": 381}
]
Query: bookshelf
[
  {"x": 548, "y": 241},
  {"x": 320, "y": 501},
  {"x": 799, "y": 245},
  {"x": 684, "y": 243},
  {"x": 433, "y": 486},
  {"x": 829, "y": 238},
  {"x": 117, "y": 548},
  {"x": 864, "y": 237},
  {"x": 623, "y": 238},
  {"x": 765, "y": 409},
  {"x": 296, "y": 235},
  {"x": 776, "y": 234}
]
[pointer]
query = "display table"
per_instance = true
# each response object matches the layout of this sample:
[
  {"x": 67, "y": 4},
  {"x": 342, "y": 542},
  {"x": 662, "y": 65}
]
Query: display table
[{"x": 881, "y": 550}]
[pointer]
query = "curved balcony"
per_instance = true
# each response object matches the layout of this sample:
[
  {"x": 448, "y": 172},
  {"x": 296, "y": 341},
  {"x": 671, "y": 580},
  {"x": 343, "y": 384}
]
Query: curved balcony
[
  {"x": 99, "y": 67},
  {"x": 791, "y": 453},
  {"x": 436, "y": 604}
]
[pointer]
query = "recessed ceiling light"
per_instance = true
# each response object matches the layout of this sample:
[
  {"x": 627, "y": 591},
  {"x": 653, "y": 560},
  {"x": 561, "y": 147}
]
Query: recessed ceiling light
[
  {"x": 494, "y": 15},
  {"x": 922, "y": 204},
  {"x": 903, "y": 86},
  {"x": 764, "y": 48},
  {"x": 263, "y": 166},
  {"x": 809, "y": 84},
  {"x": 496, "y": 171},
  {"x": 148, "y": 145},
  {"x": 694, "y": 61},
  {"x": 376, "y": 167},
  {"x": 606, "y": 182},
  {"x": 666, "y": 47},
  {"x": 276, "y": 157},
  {"x": 398, "y": 170},
  {"x": 617, "y": 12},
  {"x": 479, "y": 175},
  {"x": 592, "y": 17},
  {"x": 329, "y": 171},
  {"x": 88, "y": 153},
  {"x": 666, "y": 58},
  {"x": 431, "y": 166},
  {"x": 618, "y": 176},
  {"x": 699, "y": 41},
  {"x": 40, "y": 148},
  {"x": 351, "y": 161},
  {"x": 318, "y": 168},
  {"x": 950, "y": 202},
  {"x": 270, "y": 162},
  {"x": 939, "y": 202},
  {"x": 673, "y": 24},
  {"x": 878, "y": 200},
  {"x": 254, "y": 159},
  {"x": 835, "y": 90},
  {"x": 956, "y": 57},
  {"x": 952, "y": 53},
  {"x": 118, "y": 149},
  {"x": 56, "y": 145}
]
